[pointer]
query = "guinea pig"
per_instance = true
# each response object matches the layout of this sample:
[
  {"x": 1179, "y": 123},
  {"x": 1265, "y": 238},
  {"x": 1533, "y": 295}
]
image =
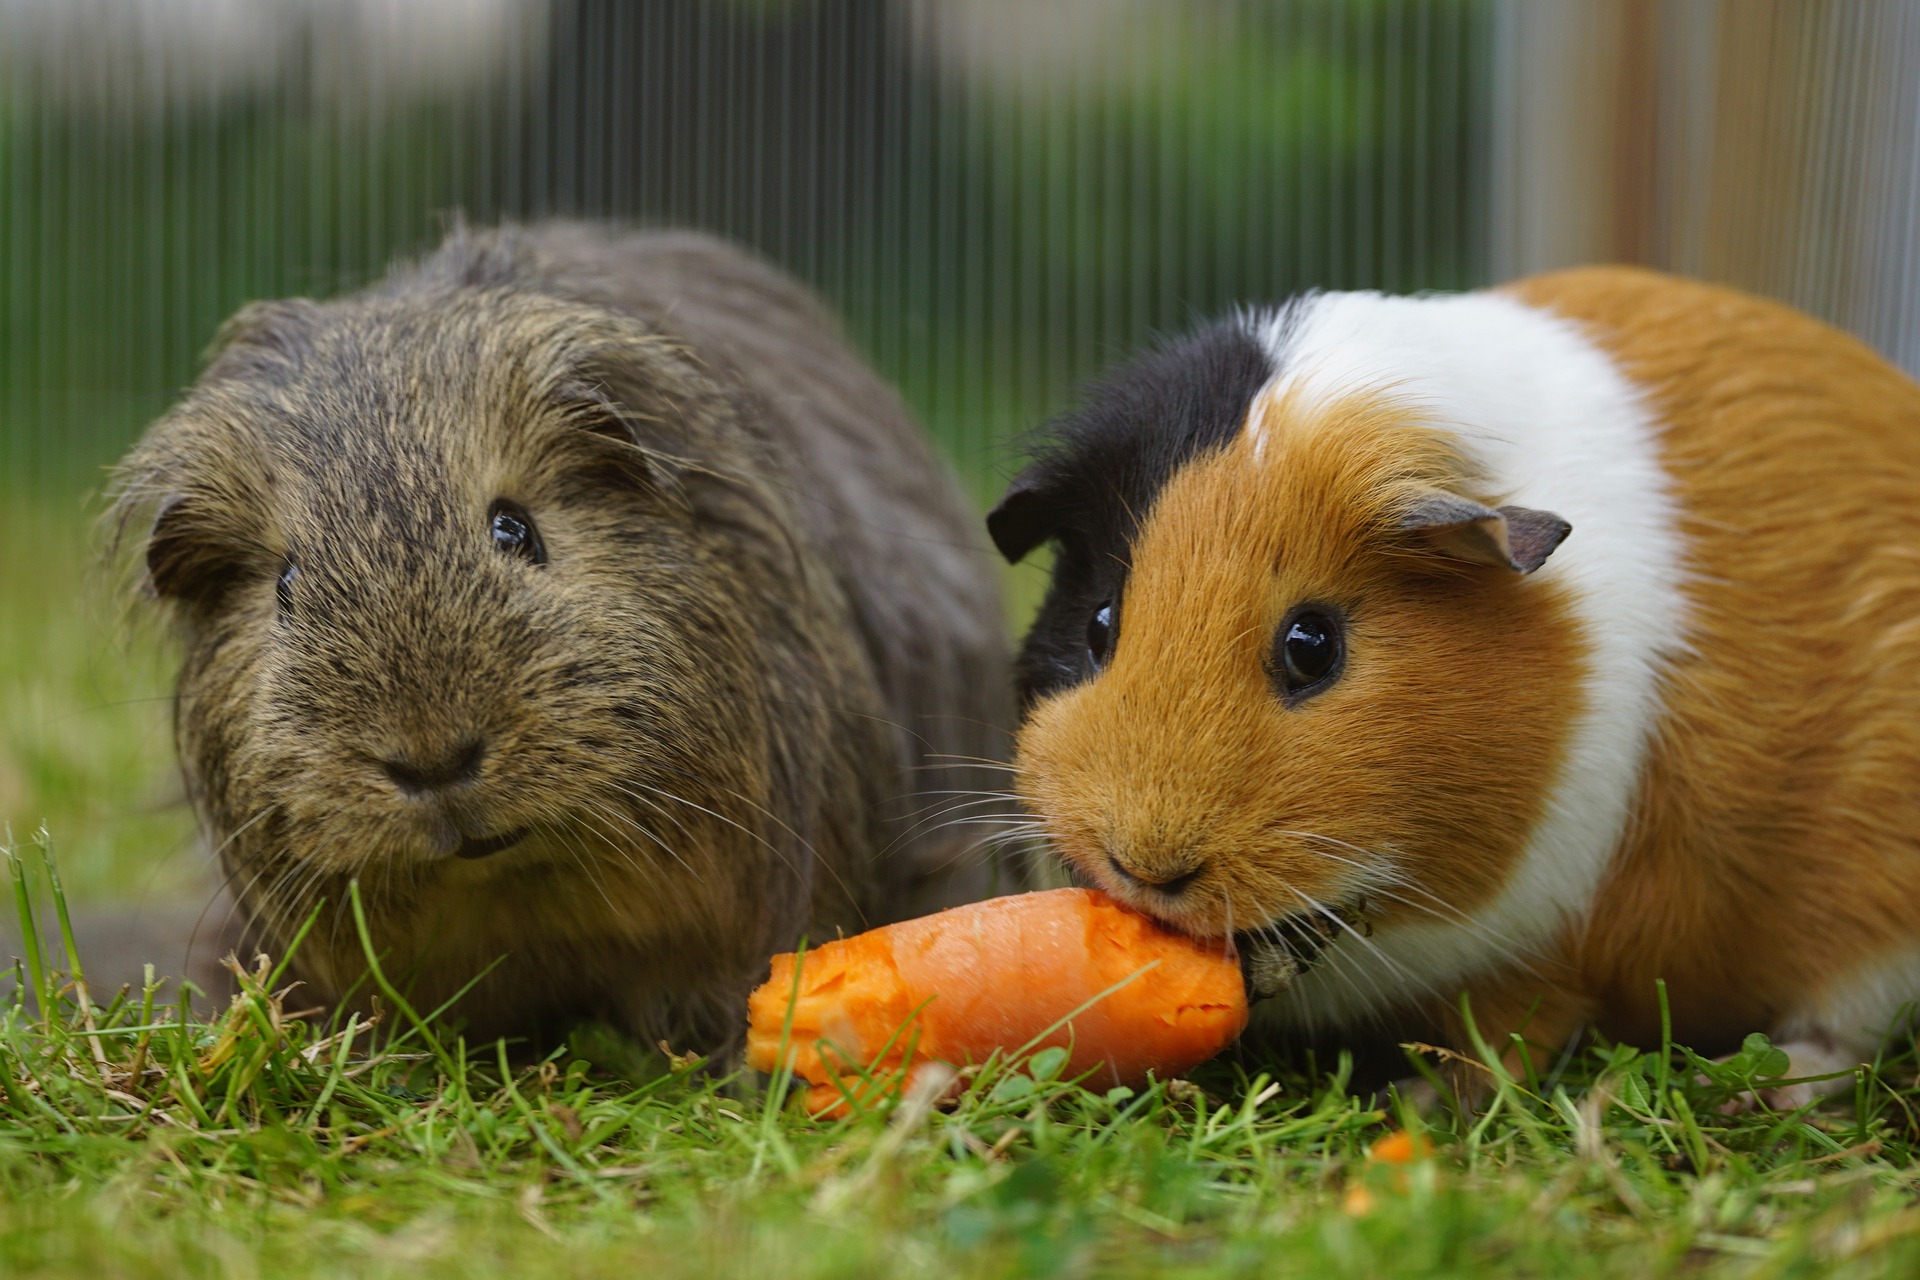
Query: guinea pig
[
  {"x": 1535, "y": 646},
  {"x": 584, "y": 600}
]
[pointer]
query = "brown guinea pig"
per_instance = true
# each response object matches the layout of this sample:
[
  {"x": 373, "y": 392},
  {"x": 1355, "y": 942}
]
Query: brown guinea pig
[
  {"x": 584, "y": 599},
  {"x": 1315, "y": 666}
]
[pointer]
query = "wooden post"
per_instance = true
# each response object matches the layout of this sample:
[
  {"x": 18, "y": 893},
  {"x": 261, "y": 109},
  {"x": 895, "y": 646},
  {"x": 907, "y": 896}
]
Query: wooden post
[{"x": 1769, "y": 144}]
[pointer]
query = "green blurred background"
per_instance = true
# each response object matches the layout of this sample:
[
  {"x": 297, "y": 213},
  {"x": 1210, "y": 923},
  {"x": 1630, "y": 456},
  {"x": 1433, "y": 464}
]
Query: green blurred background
[{"x": 998, "y": 197}]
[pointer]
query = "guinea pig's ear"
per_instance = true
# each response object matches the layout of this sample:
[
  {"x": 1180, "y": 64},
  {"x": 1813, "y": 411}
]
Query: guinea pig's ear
[
  {"x": 589, "y": 407},
  {"x": 264, "y": 335},
  {"x": 1027, "y": 514},
  {"x": 183, "y": 562},
  {"x": 1516, "y": 538}
]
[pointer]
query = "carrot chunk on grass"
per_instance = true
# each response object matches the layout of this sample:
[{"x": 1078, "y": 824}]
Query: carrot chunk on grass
[
  {"x": 1130, "y": 997},
  {"x": 1400, "y": 1147}
]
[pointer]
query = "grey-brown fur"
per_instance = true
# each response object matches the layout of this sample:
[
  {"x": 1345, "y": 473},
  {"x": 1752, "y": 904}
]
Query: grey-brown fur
[{"x": 766, "y": 613}]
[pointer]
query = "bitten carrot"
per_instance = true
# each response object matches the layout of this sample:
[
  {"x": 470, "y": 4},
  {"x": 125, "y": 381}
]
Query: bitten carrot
[{"x": 995, "y": 975}]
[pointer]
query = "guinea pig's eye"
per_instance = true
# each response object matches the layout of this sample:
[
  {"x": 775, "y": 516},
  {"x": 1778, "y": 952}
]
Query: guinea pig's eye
[
  {"x": 1309, "y": 653},
  {"x": 1100, "y": 635},
  {"x": 283, "y": 588},
  {"x": 512, "y": 531}
]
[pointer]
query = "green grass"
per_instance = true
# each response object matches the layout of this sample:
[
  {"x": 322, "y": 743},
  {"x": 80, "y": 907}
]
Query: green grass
[{"x": 137, "y": 1142}]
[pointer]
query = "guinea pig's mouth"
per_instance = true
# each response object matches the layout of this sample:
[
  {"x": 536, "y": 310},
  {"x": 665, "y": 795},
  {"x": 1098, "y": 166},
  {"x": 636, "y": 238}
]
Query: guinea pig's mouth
[
  {"x": 474, "y": 847},
  {"x": 1275, "y": 955},
  {"x": 1273, "y": 958}
]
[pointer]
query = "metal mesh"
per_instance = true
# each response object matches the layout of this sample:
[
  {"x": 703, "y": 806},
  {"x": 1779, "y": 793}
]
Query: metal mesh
[{"x": 999, "y": 196}]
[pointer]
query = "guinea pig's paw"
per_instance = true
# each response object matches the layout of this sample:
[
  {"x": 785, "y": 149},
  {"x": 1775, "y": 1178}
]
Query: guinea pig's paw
[
  {"x": 1269, "y": 969},
  {"x": 1270, "y": 960},
  {"x": 1815, "y": 1069}
]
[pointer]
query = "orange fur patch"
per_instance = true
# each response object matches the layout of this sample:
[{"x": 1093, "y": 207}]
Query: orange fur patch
[{"x": 1776, "y": 847}]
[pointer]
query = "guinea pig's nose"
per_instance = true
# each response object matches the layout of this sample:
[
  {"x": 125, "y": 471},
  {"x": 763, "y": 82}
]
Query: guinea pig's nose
[
  {"x": 461, "y": 764},
  {"x": 1169, "y": 881}
]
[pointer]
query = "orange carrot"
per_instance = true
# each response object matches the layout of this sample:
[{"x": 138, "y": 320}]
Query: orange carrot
[
  {"x": 1400, "y": 1147},
  {"x": 1388, "y": 1156},
  {"x": 996, "y": 975}
]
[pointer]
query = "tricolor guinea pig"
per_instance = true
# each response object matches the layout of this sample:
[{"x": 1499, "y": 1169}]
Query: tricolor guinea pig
[{"x": 1534, "y": 646}]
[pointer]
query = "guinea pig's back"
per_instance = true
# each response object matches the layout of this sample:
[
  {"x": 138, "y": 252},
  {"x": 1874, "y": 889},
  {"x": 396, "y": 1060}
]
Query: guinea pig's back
[
  {"x": 1781, "y": 785},
  {"x": 878, "y": 504}
]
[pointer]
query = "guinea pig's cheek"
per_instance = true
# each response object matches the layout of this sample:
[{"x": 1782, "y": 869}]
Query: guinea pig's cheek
[
  {"x": 1076, "y": 845},
  {"x": 1066, "y": 779},
  {"x": 1042, "y": 752},
  {"x": 1038, "y": 783}
]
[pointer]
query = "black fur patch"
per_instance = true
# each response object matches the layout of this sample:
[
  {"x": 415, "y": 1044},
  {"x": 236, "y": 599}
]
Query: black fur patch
[{"x": 1097, "y": 472}]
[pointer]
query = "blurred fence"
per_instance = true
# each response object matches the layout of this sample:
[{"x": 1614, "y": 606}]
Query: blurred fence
[
  {"x": 999, "y": 195},
  {"x": 1769, "y": 144}
]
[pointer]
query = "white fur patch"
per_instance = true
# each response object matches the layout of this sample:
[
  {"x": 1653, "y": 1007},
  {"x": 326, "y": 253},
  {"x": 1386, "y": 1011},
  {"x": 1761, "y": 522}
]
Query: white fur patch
[
  {"x": 1855, "y": 1013},
  {"x": 1554, "y": 425}
]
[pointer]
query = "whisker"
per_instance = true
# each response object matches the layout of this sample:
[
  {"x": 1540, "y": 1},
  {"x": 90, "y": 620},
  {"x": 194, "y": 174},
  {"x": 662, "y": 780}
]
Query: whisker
[
  {"x": 581, "y": 855},
  {"x": 765, "y": 843},
  {"x": 961, "y": 762},
  {"x": 934, "y": 818},
  {"x": 1360, "y": 939},
  {"x": 612, "y": 814},
  {"x": 1381, "y": 873}
]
